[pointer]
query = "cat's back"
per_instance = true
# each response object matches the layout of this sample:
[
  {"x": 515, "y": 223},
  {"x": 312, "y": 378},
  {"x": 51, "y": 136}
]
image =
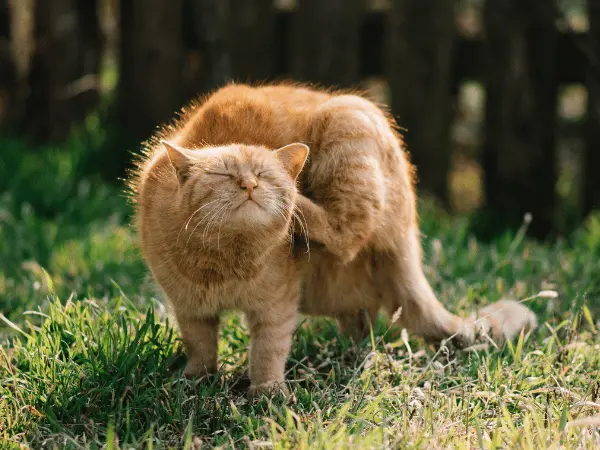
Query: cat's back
[{"x": 272, "y": 115}]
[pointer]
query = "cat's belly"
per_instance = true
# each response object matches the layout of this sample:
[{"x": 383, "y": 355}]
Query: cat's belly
[{"x": 330, "y": 289}]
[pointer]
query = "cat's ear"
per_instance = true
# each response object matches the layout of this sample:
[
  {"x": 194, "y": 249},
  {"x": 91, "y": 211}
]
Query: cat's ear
[
  {"x": 179, "y": 160},
  {"x": 293, "y": 157}
]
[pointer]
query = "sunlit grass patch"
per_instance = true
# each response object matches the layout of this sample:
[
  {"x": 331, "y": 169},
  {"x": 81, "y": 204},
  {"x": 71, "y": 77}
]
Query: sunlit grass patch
[{"x": 90, "y": 358}]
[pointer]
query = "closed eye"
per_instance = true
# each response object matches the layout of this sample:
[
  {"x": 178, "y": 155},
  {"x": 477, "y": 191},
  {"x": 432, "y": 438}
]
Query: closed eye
[
  {"x": 262, "y": 173},
  {"x": 222, "y": 174}
]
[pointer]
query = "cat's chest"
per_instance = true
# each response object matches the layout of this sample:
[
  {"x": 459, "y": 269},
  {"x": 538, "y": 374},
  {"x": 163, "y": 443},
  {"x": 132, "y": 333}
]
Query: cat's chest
[
  {"x": 234, "y": 296},
  {"x": 224, "y": 297}
]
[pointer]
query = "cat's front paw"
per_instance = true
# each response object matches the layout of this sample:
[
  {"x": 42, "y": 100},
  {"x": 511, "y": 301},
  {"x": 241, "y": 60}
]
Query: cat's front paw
[
  {"x": 269, "y": 389},
  {"x": 197, "y": 370}
]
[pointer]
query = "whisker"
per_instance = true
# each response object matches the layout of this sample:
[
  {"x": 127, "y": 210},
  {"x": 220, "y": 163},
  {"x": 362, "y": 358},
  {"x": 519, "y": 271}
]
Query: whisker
[
  {"x": 208, "y": 215},
  {"x": 299, "y": 215},
  {"x": 212, "y": 219},
  {"x": 229, "y": 204},
  {"x": 304, "y": 227},
  {"x": 280, "y": 209},
  {"x": 191, "y": 217}
]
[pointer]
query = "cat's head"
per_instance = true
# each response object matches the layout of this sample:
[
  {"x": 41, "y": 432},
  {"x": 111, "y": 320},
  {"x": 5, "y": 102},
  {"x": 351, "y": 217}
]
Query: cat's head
[{"x": 236, "y": 190}]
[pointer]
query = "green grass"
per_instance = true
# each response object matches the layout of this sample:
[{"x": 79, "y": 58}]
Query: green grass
[{"x": 89, "y": 357}]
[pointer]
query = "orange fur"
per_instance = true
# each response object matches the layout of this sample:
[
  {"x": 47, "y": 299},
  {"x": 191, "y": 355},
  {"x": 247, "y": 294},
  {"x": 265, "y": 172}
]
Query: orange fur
[{"x": 356, "y": 204}]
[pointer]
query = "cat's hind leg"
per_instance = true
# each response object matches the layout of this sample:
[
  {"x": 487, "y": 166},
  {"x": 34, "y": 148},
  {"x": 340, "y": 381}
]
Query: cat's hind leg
[
  {"x": 357, "y": 326},
  {"x": 345, "y": 178},
  {"x": 403, "y": 285}
]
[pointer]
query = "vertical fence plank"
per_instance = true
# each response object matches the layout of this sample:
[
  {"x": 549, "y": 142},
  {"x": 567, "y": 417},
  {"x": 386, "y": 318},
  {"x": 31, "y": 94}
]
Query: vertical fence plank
[
  {"x": 8, "y": 72},
  {"x": 92, "y": 42},
  {"x": 592, "y": 138},
  {"x": 422, "y": 36},
  {"x": 206, "y": 23},
  {"x": 326, "y": 37},
  {"x": 55, "y": 77},
  {"x": 519, "y": 156},
  {"x": 150, "y": 88},
  {"x": 251, "y": 40}
]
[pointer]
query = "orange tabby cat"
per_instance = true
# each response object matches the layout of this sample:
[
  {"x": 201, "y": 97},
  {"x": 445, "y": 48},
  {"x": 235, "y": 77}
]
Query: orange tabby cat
[{"x": 216, "y": 200}]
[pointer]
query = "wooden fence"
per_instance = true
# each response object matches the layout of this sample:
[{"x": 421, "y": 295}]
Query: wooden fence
[{"x": 171, "y": 50}]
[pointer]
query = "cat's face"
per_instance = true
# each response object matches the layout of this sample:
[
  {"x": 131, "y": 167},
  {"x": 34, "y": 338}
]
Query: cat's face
[{"x": 236, "y": 190}]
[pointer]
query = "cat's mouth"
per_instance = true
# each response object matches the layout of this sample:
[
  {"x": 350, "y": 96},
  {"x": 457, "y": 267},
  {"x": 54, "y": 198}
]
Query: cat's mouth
[
  {"x": 258, "y": 210},
  {"x": 248, "y": 203}
]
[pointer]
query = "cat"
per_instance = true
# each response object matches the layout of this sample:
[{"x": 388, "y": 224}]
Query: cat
[{"x": 221, "y": 193}]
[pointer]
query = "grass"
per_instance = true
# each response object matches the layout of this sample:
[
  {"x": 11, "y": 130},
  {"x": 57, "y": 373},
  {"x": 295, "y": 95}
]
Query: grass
[{"x": 89, "y": 357}]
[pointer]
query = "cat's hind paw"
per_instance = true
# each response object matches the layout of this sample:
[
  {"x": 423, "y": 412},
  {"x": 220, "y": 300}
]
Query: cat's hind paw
[{"x": 504, "y": 320}]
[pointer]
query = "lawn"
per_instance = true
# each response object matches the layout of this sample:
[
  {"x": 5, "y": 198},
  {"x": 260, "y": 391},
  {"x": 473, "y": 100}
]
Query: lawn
[{"x": 89, "y": 357}]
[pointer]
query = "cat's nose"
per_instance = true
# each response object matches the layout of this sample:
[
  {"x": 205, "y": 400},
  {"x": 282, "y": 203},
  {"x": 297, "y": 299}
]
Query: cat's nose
[{"x": 248, "y": 185}]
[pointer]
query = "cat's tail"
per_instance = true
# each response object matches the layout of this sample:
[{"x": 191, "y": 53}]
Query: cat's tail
[{"x": 406, "y": 288}]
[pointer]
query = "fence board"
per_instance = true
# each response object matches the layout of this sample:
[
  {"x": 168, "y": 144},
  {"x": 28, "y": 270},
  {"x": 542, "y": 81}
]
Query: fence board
[
  {"x": 251, "y": 43},
  {"x": 8, "y": 73},
  {"x": 326, "y": 41},
  {"x": 519, "y": 156},
  {"x": 420, "y": 75},
  {"x": 592, "y": 135},
  {"x": 570, "y": 62},
  {"x": 56, "y": 80},
  {"x": 206, "y": 23},
  {"x": 150, "y": 85}
]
